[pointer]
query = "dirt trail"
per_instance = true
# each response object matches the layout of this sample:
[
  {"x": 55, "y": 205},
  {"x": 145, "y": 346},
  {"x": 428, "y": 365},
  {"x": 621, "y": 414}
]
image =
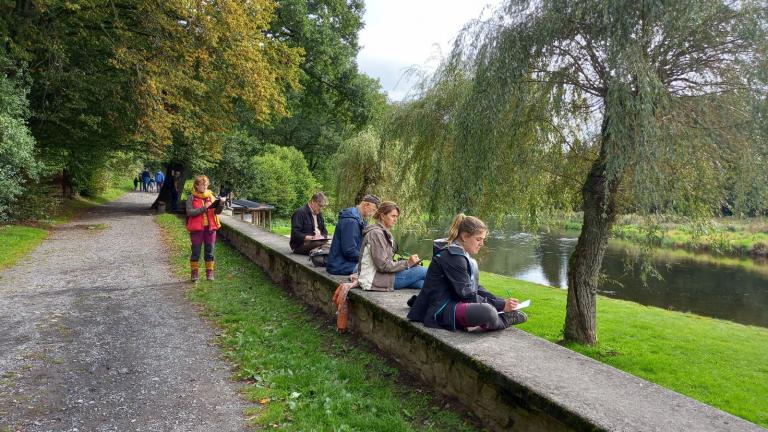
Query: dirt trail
[{"x": 96, "y": 335}]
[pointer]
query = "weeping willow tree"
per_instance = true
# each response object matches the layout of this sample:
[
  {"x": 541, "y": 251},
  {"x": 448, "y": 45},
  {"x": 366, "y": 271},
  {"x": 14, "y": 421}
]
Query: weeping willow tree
[{"x": 615, "y": 104}]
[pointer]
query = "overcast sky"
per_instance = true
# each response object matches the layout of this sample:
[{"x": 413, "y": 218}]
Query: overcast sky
[{"x": 399, "y": 34}]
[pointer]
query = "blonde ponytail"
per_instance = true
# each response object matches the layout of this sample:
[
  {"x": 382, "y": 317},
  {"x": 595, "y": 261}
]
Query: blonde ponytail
[
  {"x": 453, "y": 231},
  {"x": 465, "y": 224}
]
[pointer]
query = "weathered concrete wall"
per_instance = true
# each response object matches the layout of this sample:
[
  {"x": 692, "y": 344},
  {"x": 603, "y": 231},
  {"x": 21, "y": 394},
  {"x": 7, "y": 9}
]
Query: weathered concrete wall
[{"x": 510, "y": 379}]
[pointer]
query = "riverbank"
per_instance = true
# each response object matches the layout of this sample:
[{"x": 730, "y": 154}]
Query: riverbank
[
  {"x": 300, "y": 373},
  {"x": 714, "y": 361},
  {"x": 20, "y": 239},
  {"x": 727, "y": 236}
]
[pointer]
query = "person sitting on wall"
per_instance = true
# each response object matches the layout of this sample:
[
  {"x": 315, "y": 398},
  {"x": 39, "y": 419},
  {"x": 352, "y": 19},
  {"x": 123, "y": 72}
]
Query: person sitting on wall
[
  {"x": 308, "y": 226},
  {"x": 378, "y": 271},
  {"x": 345, "y": 247},
  {"x": 452, "y": 297}
]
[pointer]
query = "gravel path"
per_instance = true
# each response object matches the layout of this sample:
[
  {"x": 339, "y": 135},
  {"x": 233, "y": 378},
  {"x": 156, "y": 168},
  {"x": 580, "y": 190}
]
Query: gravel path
[{"x": 96, "y": 335}]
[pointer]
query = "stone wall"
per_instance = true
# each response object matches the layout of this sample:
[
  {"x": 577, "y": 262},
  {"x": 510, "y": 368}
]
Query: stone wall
[{"x": 509, "y": 379}]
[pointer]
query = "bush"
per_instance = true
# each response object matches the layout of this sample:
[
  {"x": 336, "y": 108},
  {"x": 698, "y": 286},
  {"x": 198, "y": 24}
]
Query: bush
[
  {"x": 282, "y": 178},
  {"x": 17, "y": 146}
]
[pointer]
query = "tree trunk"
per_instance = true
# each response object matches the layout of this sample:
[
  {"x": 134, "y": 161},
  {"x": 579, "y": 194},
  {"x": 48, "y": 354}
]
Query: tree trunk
[
  {"x": 370, "y": 179},
  {"x": 599, "y": 206},
  {"x": 67, "y": 191},
  {"x": 166, "y": 192}
]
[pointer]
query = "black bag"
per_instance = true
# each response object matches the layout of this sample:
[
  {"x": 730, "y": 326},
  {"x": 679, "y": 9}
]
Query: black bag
[{"x": 319, "y": 255}]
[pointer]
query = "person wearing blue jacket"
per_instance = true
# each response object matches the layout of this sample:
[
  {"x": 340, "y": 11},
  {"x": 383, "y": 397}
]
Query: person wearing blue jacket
[{"x": 345, "y": 246}]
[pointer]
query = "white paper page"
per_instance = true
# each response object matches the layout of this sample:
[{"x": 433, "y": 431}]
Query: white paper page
[
  {"x": 521, "y": 305},
  {"x": 524, "y": 304}
]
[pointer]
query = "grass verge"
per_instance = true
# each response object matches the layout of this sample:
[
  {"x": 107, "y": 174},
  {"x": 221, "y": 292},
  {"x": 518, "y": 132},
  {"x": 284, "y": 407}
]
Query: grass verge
[
  {"x": 717, "y": 362},
  {"x": 300, "y": 374},
  {"x": 730, "y": 236},
  {"x": 70, "y": 208},
  {"x": 20, "y": 241}
]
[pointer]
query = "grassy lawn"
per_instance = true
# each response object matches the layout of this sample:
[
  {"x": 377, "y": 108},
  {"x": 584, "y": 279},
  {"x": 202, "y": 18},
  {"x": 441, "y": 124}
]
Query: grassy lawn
[
  {"x": 282, "y": 226},
  {"x": 720, "y": 363},
  {"x": 300, "y": 374},
  {"x": 21, "y": 239}
]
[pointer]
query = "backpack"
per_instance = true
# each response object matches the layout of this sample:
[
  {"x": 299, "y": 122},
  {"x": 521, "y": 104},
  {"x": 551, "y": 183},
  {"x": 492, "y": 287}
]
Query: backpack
[{"x": 319, "y": 255}]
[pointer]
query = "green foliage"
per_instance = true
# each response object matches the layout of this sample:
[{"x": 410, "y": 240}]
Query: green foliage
[
  {"x": 636, "y": 105},
  {"x": 302, "y": 375},
  {"x": 335, "y": 100},
  {"x": 18, "y": 164},
  {"x": 280, "y": 177},
  {"x": 236, "y": 164},
  {"x": 160, "y": 78},
  {"x": 527, "y": 100},
  {"x": 357, "y": 167}
]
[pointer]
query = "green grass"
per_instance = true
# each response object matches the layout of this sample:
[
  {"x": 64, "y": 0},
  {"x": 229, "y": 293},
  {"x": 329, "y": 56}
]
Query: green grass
[
  {"x": 282, "y": 226},
  {"x": 720, "y": 363},
  {"x": 19, "y": 241},
  {"x": 298, "y": 371}
]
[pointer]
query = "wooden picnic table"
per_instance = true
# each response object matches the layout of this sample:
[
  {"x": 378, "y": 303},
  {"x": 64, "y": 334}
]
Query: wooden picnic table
[{"x": 261, "y": 214}]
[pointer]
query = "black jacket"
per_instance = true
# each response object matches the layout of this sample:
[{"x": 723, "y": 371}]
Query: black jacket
[
  {"x": 301, "y": 226},
  {"x": 447, "y": 284}
]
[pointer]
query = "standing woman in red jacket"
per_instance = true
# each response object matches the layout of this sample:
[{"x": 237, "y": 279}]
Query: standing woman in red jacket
[{"x": 202, "y": 223}]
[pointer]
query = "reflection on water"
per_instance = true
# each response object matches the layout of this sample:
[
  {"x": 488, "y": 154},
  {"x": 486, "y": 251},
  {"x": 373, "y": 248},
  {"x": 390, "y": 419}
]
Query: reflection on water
[{"x": 702, "y": 286}]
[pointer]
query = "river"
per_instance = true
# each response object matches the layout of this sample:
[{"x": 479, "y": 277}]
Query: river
[{"x": 730, "y": 289}]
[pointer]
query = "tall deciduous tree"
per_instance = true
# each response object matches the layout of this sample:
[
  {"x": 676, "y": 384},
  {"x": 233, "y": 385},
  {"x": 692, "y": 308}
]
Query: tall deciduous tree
[
  {"x": 335, "y": 101},
  {"x": 159, "y": 77},
  {"x": 646, "y": 102}
]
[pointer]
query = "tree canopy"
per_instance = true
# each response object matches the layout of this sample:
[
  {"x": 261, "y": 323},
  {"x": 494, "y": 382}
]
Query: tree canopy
[
  {"x": 153, "y": 77},
  {"x": 641, "y": 105},
  {"x": 335, "y": 100}
]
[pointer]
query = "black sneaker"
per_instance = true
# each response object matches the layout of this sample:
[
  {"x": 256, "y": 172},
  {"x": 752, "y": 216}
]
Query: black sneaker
[
  {"x": 412, "y": 300},
  {"x": 515, "y": 317}
]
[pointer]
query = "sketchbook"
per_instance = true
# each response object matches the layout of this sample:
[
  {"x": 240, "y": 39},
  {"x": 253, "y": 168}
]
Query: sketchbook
[{"x": 521, "y": 305}]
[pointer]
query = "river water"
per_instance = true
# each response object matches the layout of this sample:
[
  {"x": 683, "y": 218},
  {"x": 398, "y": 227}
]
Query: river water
[{"x": 730, "y": 289}]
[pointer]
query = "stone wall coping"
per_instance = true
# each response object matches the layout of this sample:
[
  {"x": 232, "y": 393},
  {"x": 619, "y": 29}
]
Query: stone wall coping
[{"x": 575, "y": 389}]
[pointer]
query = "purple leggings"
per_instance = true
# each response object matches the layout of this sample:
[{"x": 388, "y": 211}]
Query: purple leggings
[{"x": 205, "y": 237}]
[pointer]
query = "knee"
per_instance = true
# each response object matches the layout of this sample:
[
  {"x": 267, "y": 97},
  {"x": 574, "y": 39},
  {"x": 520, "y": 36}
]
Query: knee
[{"x": 487, "y": 313}]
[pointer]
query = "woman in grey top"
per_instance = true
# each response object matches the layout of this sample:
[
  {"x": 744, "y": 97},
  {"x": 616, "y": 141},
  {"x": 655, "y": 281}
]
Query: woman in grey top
[{"x": 378, "y": 271}]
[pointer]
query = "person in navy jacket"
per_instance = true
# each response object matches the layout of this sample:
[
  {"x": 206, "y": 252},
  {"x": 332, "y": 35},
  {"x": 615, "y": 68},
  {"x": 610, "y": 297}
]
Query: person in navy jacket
[
  {"x": 345, "y": 246},
  {"x": 452, "y": 297}
]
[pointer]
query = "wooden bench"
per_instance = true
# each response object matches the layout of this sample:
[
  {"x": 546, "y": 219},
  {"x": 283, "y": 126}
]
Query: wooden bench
[{"x": 261, "y": 214}]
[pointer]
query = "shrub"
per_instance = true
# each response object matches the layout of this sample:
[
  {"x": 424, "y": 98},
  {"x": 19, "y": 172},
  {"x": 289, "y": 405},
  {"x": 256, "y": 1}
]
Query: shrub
[
  {"x": 282, "y": 178},
  {"x": 17, "y": 146}
]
